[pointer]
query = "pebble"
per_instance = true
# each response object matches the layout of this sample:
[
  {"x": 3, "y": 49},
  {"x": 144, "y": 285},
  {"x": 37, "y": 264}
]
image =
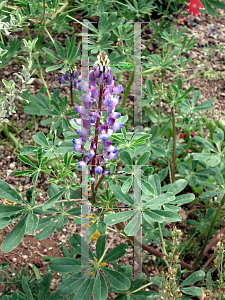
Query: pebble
[
  {"x": 12, "y": 165},
  {"x": 14, "y": 259}
]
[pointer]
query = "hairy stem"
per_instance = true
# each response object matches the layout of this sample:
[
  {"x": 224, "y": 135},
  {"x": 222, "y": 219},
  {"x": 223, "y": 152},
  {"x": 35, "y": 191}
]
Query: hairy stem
[{"x": 174, "y": 145}]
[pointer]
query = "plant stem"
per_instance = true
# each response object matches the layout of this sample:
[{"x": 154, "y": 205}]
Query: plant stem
[
  {"x": 131, "y": 80},
  {"x": 160, "y": 25},
  {"x": 48, "y": 33},
  {"x": 71, "y": 93},
  {"x": 99, "y": 182},
  {"x": 201, "y": 254},
  {"x": 43, "y": 80},
  {"x": 174, "y": 145},
  {"x": 96, "y": 129},
  {"x": 163, "y": 244},
  {"x": 43, "y": 18}
]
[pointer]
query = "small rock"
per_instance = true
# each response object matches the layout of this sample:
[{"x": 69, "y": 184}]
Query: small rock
[
  {"x": 25, "y": 257},
  {"x": 12, "y": 165},
  {"x": 14, "y": 259}
]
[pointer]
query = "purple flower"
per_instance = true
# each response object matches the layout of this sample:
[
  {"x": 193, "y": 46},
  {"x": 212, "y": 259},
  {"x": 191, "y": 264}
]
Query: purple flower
[
  {"x": 81, "y": 164},
  {"x": 99, "y": 170},
  {"x": 71, "y": 76},
  {"x": 78, "y": 145},
  {"x": 91, "y": 153}
]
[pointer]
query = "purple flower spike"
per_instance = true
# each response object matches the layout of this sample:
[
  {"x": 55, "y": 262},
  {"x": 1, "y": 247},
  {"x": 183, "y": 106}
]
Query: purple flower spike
[
  {"x": 109, "y": 79},
  {"x": 112, "y": 155},
  {"x": 92, "y": 76},
  {"x": 117, "y": 126},
  {"x": 97, "y": 72},
  {"x": 80, "y": 109},
  {"x": 77, "y": 148},
  {"x": 81, "y": 164},
  {"x": 78, "y": 121},
  {"x": 101, "y": 78},
  {"x": 61, "y": 80},
  {"x": 91, "y": 153},
  {"x": 65, "y": 76},
  {"x": 117, "y": 90},
  {"x": 94, "y": 92},
  {"x": 98, "y": 170},
  {"x": 115, "y": 115}
]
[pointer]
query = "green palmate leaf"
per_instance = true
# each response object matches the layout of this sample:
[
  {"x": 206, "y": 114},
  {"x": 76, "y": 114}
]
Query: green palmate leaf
[
  {"x": 71, "y": 284},
  {"x": 35, "y": 178},
  {"x": 116, "y": 279},
  {"x": 27, "y": 161},
  {"x": 52, "y": 53},
  {"x": 168, "y": 215},
  {"x": 76, "y": 211},
  {"x": 32, "y": 223},
  {"x": 126, "y": 158},
  {"x": 100, "y": 290},
  {"x": 126, "y": 185},
  {"x": 182, "y": 199},
  {"x": 100, "y": 246},
  {"x": 28, "y": 150},
  {"x": 40, "y": 155},
  {"x": 117, "y": 138},
  {"x": 6, "y": 192},
  {"x": 155, "y": 181},
  {"x": 8, "y": 210},
  {"x": 125, "y": 198},
  {"x": 116, "y": 253},
  {"x": 178, "y": 186},
  {"x": 55, "y": 67},
  {"x": 47, "y": 231},
  {"x": 218, "y": 137},
  {"x": 53, "y": 199},
  {"x": 44, "y": 286},
  {"x": 77, "y": 242},
  {"x": 203, "y": 143},
  {"x": 15, "y": 236},
  {"x": 134, "y": 225},
  {"x": 140, "y": 141},
  {"x": 152, "y": 217},
  {"x": 193, "y": 291},
  {"x": 196, "y": 276},
  {"x": 85, "y": 290},
  {"x": 144, "y": 158},
  {"x": 117, "y": 217},
  {"x": 41, "y": 139},
  {"x": 4, "y": 222},
  {"x": 160, "y": 200},
  {"x": 146, "y": 187},
  {"x": 64, "y": 265}
]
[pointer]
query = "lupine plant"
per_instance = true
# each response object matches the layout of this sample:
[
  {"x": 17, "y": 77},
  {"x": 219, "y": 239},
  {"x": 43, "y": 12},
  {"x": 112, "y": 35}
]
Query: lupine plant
[{"x": 102, "y": 175}]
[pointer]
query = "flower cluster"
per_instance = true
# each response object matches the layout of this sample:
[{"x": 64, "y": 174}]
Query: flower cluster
[
  {"x": 71, "y": 76},
  {"x": 95, "y": 102},
  {"x": 194, "y": 6}
]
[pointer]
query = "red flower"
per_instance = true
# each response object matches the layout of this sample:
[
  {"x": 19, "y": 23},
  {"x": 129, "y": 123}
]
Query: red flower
[
  {"x": 192, "y": 134},
  {"x": 182, "y": 135},
  {"x": 193, "y": 7},
  {"x": 211, "y": 263},
  {"x": 188, "y": 150}
]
